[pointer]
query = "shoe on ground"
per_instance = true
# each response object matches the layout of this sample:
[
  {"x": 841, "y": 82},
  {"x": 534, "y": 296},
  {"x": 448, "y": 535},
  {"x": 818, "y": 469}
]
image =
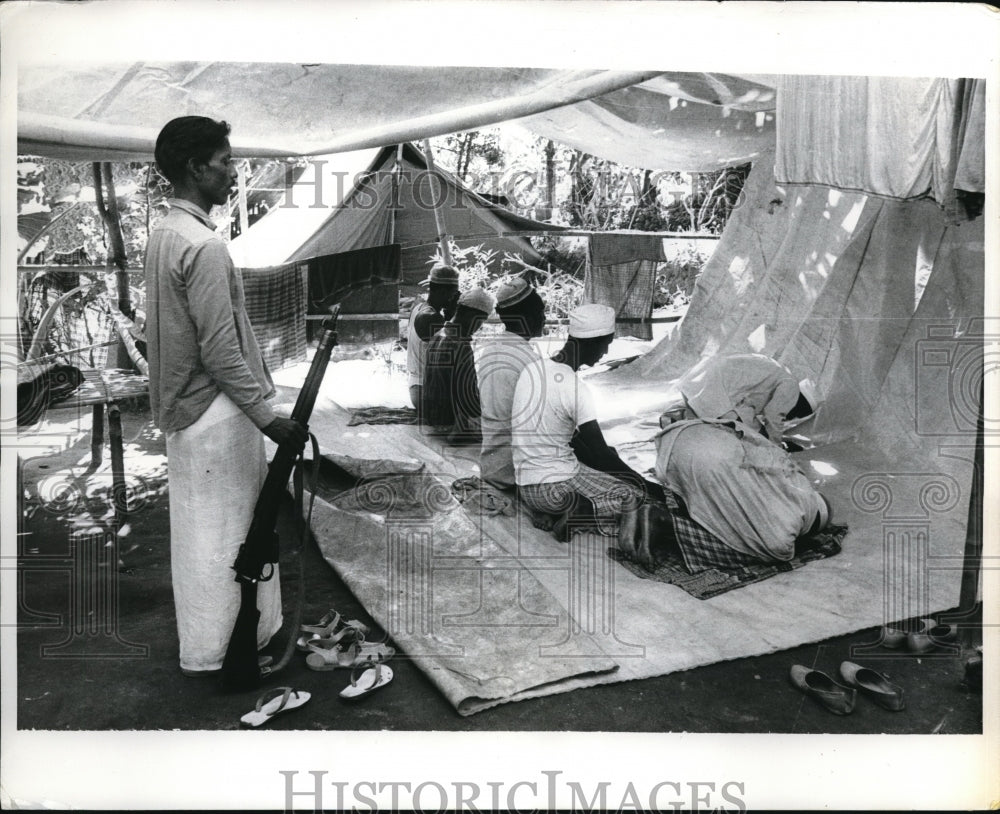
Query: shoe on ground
[
  {"x": 837, "y": 698},
  {"x": 874, "y": 685}
]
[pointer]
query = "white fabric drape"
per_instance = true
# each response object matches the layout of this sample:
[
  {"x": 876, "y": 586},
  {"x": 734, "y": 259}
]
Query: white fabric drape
[{"x": 889, "y": 136}]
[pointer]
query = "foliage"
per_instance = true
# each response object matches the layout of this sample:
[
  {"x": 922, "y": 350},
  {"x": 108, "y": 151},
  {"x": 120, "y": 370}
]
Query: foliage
[
  {"x": 676, "y": 278},
  {"x": 476, "y": 265},
  {"x": 479, "y": 266},
  {"x": 475, "y": 154},
  {"x": 66, "y": 191},
  {"x": 561, "y": 293},
  {"x": 568, "y": 254},
  {"x": 713, "y": 197}
]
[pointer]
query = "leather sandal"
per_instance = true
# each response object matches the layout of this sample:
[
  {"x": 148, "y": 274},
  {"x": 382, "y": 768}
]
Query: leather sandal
[
  {"x": 818, "y": 685},
  {"x": 919, "y": 639},
  {"x": 873, "y": 684},
  {"x": 331, "y": 628},
  {"x": 331, "y": 656}
]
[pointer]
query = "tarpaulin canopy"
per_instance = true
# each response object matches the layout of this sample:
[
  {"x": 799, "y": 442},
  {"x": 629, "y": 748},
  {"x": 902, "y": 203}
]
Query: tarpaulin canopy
[{"x": 113, "y": 111}]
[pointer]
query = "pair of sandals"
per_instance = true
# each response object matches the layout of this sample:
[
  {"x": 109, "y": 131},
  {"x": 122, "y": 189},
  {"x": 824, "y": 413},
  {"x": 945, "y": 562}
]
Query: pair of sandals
[
  {"x": 332, "y": 655},
  {"x": 840, "y": 698},
  {"x": 364, "y": 681},
  {"x": 329, "y": 631},
  {"x": 919, "y": 635},
  {"x": 334, "y": 643}
]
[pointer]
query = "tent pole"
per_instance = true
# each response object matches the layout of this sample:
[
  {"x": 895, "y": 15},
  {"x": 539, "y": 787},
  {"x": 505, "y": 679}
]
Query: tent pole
[
  {"x": 397, "y": 168},
  {"x": 444, "y": 239},
  {"x": 969, "y": 598},
  {"x": 241, "y": 191}
]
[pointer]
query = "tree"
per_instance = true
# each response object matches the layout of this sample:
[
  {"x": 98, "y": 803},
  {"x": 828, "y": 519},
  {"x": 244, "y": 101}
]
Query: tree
[
  {"x": 473, "y": 156},
  {"x": 713, "y": 197}
]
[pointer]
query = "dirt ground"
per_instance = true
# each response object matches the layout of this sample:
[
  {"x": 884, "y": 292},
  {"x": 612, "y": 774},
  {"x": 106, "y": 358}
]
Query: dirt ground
[{"x": 100, "y": 653}]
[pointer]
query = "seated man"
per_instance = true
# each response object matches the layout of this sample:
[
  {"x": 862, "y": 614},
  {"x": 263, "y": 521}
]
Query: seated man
[
  {"x": 426, "y": 319},
  {"x": 553, "y": 416},
  {"x": 450, "y": 397},
  {"x": 501, "y": 361},
  {"x": 742, "y": 499},
  {"x": 749, "y": 387}
]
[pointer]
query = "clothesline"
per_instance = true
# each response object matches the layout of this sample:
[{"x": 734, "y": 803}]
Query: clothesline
[
  {"x": 495, "y": 320},
  {"x": 569, "y": 233}
]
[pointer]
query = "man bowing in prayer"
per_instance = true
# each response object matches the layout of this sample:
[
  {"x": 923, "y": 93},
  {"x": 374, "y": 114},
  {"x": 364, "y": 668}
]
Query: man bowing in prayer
[
  {"x": 749, "y": 387},
  {"x": 208, "y": 389},
  {"x": 562, "y": 463}
]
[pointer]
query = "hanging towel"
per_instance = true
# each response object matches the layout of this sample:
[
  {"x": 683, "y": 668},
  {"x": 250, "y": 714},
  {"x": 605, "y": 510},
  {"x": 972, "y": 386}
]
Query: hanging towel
[
  {"x": 621, "y": 273},
  {"x": 276, "y": 306}
]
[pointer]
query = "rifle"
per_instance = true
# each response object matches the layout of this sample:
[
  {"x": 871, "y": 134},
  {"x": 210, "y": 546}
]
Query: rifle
[{"x": 259, "y": 552}]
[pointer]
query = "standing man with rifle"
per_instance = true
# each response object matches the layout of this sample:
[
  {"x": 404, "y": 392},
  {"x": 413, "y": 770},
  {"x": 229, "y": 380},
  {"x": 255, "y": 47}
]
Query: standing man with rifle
[{"x": 208, "y": 393}]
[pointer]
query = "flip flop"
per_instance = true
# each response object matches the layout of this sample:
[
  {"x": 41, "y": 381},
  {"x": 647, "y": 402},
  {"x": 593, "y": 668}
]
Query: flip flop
[
  {"x": 373, "y": 675},
  {"x": 273, "y": 702}
]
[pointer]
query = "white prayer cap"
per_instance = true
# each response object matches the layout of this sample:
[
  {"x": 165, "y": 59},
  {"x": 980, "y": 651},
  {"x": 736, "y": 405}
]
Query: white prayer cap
[
  {"x": 807, "y": 387},
  {"x": 478, "y": 298},
  {"x": 512, "y": 292},
  {"x": 591, "y": 320}
]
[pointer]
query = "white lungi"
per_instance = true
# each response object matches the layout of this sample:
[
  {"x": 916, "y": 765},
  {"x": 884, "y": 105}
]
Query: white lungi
[{"x": 216, "y": 468}]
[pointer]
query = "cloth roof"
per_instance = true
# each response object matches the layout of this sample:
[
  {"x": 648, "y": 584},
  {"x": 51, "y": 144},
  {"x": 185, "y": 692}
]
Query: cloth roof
[{"x": 113, "y": 111}]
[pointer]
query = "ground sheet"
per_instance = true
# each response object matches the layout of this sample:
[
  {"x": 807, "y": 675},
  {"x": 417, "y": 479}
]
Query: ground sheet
[{"x": 495, "y": 610}]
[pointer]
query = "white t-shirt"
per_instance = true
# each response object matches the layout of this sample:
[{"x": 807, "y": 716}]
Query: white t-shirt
[
  {"x": 550, "y": 402},
  {"x": 499, "y": 365}
]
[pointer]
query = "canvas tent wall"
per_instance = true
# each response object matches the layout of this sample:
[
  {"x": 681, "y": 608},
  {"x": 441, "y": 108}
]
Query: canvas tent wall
[
  {"x": 369, "y": 198},
  {"x": 850, "y": 250}
]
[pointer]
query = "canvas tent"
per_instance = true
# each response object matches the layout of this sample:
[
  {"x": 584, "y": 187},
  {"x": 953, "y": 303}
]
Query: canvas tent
[
  {"x": 368, "y": 198},
  {"x": 851, "y": 211}
]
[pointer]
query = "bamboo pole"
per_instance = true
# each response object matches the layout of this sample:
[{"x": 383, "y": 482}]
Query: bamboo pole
[{"x": 108, "y": 208}]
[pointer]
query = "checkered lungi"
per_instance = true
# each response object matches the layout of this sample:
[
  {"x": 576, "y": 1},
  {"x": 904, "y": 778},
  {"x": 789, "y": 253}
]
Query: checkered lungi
[
  {"x": 609, "y": 495},
  {"x": 702, "y": 550}
]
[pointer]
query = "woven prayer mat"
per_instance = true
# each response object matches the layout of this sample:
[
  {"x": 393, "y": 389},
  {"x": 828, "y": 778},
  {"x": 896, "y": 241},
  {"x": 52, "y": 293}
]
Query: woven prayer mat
[
  {"x": 383, "y": 415},
  {"x": 670, "y": 568}
]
